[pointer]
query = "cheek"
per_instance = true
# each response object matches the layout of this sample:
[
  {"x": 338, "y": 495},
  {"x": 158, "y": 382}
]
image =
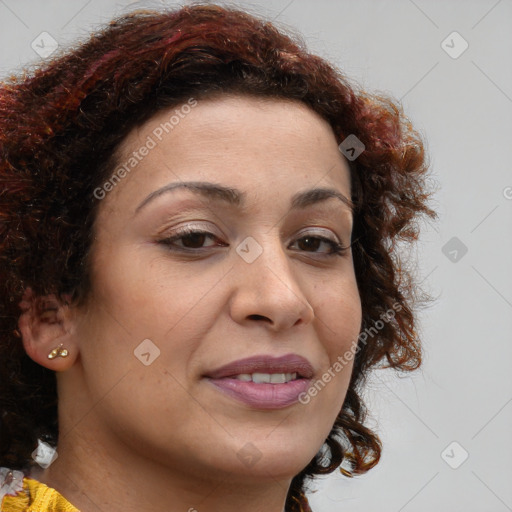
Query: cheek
[
  {"x": 339, "y": 321},
  {"x": 140, "y": 299},
  {"x": 338, "y": 308},
  {"x": 151, "y": 295}
]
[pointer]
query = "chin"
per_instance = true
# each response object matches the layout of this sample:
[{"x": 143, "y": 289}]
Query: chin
[
  {"x": 266, "y": 470},
  {"x": 276, "y": 459}
]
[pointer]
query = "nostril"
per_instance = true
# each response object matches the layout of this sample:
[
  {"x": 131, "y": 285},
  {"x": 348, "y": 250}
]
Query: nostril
[{"x": 257, "y": 317}]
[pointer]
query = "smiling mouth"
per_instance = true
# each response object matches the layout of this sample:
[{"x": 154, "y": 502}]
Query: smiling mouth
[
  {"x": 264, "y": 382},
  {"x": 266, "y": 369}
]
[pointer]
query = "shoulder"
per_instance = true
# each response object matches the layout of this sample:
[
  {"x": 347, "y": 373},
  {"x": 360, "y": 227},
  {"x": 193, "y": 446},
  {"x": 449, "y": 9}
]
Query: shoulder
[{"x": 20, "y": 493}]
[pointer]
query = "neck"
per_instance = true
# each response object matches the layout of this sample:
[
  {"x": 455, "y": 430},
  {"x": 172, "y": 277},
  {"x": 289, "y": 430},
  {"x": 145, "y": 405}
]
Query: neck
[{"x": 123, "y": 479}]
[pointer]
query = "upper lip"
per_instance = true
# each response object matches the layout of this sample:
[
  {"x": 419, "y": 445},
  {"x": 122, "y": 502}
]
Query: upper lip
[{"x": 289, "y": 363}]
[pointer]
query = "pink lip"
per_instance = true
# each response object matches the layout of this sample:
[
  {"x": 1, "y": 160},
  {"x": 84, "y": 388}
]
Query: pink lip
[
  {"x": 264, "y": 395},
  {"x": 289, "y": 363}
]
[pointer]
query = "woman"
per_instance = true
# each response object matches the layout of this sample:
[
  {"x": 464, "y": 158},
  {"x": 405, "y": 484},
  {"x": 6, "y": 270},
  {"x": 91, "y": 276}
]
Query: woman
[{"x": 199, "y": 223}]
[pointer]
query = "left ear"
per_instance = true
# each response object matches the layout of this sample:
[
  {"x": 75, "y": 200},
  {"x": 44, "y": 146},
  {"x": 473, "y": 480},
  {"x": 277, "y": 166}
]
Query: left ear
[{"x": 46, "y": 323}]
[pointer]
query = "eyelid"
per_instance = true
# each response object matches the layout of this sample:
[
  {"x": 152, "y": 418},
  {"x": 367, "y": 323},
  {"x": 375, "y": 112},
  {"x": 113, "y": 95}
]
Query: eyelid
[
  {"x": 173, "y": 230},
  {"x": 208, "y": 227},
  {"x": 317, "y": 230}
]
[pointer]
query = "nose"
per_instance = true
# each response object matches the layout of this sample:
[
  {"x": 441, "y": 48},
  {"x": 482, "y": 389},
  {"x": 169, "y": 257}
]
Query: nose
[{"x": 269, "y": 290}]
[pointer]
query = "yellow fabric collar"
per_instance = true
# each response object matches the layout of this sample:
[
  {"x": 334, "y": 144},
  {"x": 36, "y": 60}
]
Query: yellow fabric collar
[{"x": 36, "y": 497}]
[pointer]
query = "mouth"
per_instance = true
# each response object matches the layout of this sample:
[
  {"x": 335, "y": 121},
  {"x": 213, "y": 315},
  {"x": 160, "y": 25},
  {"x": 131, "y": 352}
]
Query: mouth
[
  {"x": 268, "y": 378},
  {"x": 265, "y": 365},
  {"x": 264, "y": 382}
]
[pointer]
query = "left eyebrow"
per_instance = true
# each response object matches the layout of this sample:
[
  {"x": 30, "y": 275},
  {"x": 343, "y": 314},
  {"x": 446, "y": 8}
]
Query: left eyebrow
[{"x": 235, "y": 197}]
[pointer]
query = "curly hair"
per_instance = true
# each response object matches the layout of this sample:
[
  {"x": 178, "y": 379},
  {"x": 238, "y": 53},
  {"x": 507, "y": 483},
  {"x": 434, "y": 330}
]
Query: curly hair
[{"x": 61, "y": 125}]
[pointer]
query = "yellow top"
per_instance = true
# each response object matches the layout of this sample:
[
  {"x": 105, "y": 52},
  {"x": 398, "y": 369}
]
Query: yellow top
[{"x": 19, "y": 493}]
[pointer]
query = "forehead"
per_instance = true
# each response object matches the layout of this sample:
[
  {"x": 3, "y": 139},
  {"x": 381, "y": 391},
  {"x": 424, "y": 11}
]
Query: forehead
[{"x": 268, "y": 147}]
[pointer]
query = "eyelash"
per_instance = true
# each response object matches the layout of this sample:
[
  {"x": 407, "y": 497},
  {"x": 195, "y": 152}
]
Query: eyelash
[{"x": 337, "y": 248}]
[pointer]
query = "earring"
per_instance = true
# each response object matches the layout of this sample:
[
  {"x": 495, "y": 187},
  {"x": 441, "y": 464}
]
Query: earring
[{"x": 58, "y": 352}]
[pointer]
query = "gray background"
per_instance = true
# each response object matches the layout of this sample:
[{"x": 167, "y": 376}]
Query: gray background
[{"x": 463, "y": 107}]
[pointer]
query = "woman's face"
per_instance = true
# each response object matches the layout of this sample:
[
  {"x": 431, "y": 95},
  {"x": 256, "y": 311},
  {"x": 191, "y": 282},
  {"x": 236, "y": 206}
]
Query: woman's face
[{"x": 263, "y": 283}]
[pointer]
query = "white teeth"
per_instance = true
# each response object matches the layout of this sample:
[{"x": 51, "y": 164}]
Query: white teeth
[
  {"x": 269, "y": 378},
  {"x": 261, "y": 377},
  {"x": 278, "y": 378}
]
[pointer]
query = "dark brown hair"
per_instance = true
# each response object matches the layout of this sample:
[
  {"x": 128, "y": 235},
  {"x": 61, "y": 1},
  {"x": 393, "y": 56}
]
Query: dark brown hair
[{"x": 61, "y": 125}]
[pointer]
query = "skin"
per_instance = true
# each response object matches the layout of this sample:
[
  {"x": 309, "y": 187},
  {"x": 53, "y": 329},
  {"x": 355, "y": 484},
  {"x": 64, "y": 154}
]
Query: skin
[{"x": 159, "y": 437}]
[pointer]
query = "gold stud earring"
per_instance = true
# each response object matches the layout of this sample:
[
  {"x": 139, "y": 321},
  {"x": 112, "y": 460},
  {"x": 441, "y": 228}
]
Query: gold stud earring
[{"x": 58, "y": 352}]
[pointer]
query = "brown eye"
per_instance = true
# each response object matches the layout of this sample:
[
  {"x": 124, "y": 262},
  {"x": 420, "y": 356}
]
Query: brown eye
[
  {"x": 310, "y": 243},
  {"x": 194, "y": 240},
  {"x": 191, "y": 240}
]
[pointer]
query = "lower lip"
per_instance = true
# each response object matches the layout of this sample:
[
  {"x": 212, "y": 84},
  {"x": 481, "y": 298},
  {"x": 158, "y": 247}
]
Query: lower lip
[{"x": 263, "y": 395}]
